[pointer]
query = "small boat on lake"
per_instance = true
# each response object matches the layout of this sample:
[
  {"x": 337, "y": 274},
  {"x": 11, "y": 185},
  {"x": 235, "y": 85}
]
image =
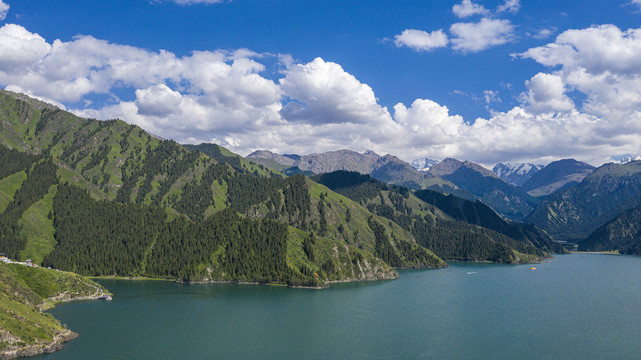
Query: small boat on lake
[{"x": 104, "y": 297}]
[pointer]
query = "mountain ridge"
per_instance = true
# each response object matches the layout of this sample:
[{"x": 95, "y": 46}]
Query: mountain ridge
[
  {"x": 123, "y": 169},
  {"x": 388, "y": 168},
  {"x": 573, "y": 213},
  {"x": 557, "y": 175}
]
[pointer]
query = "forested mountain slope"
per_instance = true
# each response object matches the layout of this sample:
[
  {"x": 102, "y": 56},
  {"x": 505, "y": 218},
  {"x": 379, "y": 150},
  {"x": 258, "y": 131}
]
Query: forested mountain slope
[
  {"x": 93, "y": 172},
  {"x": 623, "y": 234},
  {"x": 478, "y": 213},
  {"x": 574, "y": 213},
  {"x": 556, "y": 175},
  {"x": 445, "y": 226},
  {"x": 506, "y": 199}
]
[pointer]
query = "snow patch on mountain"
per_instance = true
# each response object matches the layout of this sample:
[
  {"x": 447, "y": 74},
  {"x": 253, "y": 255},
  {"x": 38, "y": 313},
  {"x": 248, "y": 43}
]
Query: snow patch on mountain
[
  {"x": 516, "y": 173},
  {"x": 627, "y": 158},
  {"x": 423, "y": 164}
]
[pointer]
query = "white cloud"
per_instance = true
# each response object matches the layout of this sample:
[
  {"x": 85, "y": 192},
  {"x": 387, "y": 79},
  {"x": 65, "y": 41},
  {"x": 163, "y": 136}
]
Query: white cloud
[
  {"x": 637, "y": 3},
  {"x": 597, "y": 49},
  {"x": 542, "y": 34},
  {"x": 221, "y": 96},
  {"x": 491, "y": 96},
  {"x": 427, "y": 123},
  {"x": 511, "y": 6},
  {"x": 474, "y": 37},
  {"x": 420, "y": 40},
  {"x": 325, "y": 93},
  {"x": 20, "y": 49},
  {"x": 4, "y": 9},
  {"x": 467, "y": 8},
  {"x": 158, "y": 100},
  {"x": 602, "y": 63},
  {"x": 546, "y": 94}
]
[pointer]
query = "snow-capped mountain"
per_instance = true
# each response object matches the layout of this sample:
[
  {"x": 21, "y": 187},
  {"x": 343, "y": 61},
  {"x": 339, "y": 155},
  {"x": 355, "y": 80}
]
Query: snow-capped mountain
[
  {"x": 516, "y": 174},
  {"x": 423, "y": 164},
  {"x": 627, "y": 159}
]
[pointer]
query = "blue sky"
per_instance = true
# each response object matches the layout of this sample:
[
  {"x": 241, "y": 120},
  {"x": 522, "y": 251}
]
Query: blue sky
[{"x": 403, "y": 77}]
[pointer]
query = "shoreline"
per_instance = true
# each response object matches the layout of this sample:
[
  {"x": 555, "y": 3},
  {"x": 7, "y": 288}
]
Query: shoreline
[
  {"x": 59, "y": 339},
  {"x": 613, "y": 252},
  {"x": 38, "y": 349}
]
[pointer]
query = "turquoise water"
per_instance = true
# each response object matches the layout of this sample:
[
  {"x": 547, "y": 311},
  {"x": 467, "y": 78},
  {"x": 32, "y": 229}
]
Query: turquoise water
[{"x": 573, "y": 307}]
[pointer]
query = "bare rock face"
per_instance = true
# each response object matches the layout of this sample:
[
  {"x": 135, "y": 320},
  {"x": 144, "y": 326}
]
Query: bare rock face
[
  {"x": 450, "y": 166},
  {"x": 338, "y": 160},
  {"x": 266, "y": 154}
]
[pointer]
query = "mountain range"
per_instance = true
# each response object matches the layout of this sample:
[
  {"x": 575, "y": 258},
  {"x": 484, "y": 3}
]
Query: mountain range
[
  {"x": 506, "y": 199},
  {"x": 454, "y": 228},
  {"x": 464, "y": 179},
  {"x": 387, "y": 168},
  {"x": 104, "y": 198},
  {"x": 575, "y": 212},
  {"x": 360, "y": 218},
  {"x": 557, "y": 175}
]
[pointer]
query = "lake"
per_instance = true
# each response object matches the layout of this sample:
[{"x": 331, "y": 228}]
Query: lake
[{"x": 580, "y": 306}]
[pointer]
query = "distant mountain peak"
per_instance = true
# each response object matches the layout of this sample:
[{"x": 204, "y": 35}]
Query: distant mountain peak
[
  {"x": 556, "y": 175},
  {"x": 423, "y": 164},
  {"x": 627, "y": 159},
  {"x": 286, "y": 160},
  {"x": 516, "y": 173},
  {"x": 451, "y": 165}
]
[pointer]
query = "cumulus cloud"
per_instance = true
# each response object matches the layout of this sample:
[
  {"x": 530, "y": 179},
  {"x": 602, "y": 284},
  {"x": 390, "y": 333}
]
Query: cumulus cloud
[
  {"x": 511, "y": 6},
  {"x": 596, "y": 49},
  {"x": 223, "y": 97},
  {"x": 474, "y": 37},
  {"x": 546, "y": 93},
  {"x": 602, "y": 63},
  {"x": 4, "y": 9},
  {"x": 20, "y": 49},
  {"x": 158, "y": 100},
  {"x": 420, "y": 40},
  {"x": 322, "y": 92},
  {"x": 430, "y": 123},
  {"x": 467, "y": 8}
]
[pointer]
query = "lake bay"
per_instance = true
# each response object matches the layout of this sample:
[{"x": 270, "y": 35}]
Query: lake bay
[{"x": 580, "y": 306}]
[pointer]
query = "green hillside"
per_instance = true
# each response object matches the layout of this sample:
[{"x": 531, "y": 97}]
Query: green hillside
[
  {"x": 574, "y": 213},
  {"x": 477, "y": 213},
  {"x": 622, "y": 234},
  {"x": 506, "y": 199},
  {"x": 24, "y": 292},
  {"x": 487, "y": 237},
  {"x": 106, "y": 198}
]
